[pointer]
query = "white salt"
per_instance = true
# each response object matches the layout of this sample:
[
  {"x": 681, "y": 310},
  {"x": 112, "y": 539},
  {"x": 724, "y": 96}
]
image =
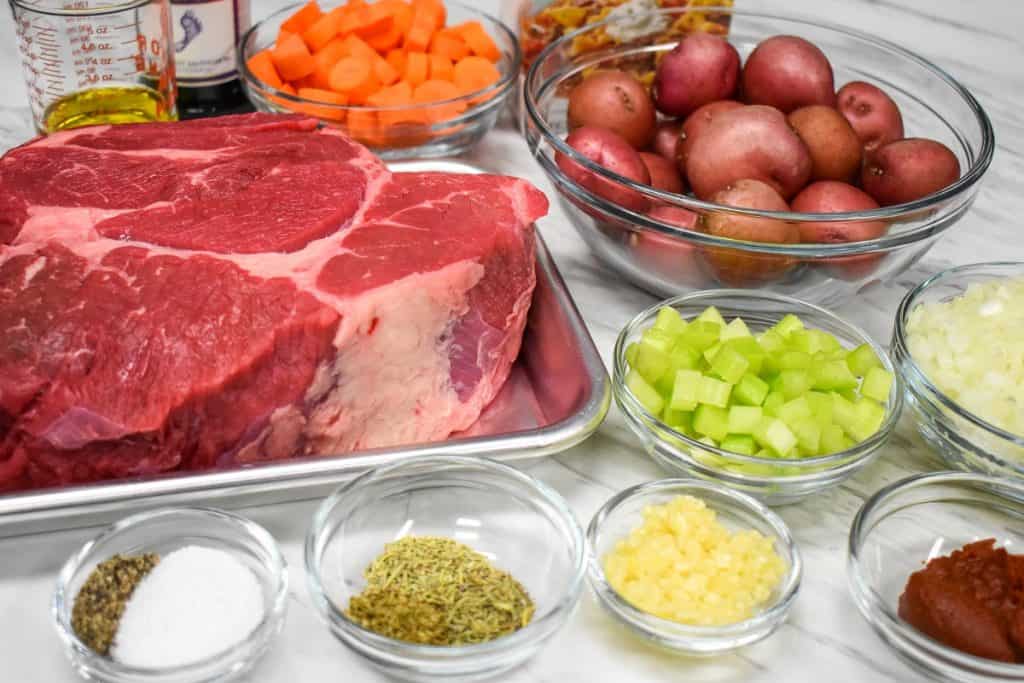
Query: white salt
[{"x": 197, "y": 602}]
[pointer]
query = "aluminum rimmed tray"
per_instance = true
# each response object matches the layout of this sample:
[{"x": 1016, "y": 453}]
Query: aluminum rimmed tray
[{"x": 556, "y": 396}]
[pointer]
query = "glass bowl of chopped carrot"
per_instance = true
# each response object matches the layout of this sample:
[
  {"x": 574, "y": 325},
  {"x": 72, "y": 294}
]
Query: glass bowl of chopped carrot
[
  {"x": 693, "y": 566},
  {"x": 445, "y": 568},
  {"x": 407, "y": 78}
]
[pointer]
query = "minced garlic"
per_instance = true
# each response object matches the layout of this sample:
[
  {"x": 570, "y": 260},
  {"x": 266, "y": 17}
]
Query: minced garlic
[{"x": 683, "y": 565}]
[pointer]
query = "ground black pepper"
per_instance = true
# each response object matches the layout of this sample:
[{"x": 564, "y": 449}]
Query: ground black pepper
[{"x": 101, "y": 600}]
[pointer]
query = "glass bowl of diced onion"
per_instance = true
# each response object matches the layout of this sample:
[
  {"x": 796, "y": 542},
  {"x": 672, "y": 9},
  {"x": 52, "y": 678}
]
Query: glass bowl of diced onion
[
  {"x": 406, "y": 129},
  {"x": 957, "y": 344},
  {"x": 765, "y": 475},
  {"x": 736, "y": 512}
]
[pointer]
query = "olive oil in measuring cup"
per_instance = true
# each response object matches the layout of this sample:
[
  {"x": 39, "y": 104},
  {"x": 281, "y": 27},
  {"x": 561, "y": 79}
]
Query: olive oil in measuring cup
[{"x": 89, "y": 62}]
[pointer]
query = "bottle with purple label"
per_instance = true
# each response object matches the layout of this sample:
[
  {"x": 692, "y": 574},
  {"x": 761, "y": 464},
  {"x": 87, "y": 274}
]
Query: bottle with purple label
[{"x": 206, "y": 33}]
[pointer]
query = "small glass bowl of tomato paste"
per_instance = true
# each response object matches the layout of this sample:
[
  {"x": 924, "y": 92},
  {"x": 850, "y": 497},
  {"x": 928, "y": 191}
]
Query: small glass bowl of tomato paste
[{"x": 904, "y": 526}]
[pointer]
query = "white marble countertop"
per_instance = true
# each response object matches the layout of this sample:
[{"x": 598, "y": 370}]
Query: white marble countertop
[{"x": 825, "y": 637}]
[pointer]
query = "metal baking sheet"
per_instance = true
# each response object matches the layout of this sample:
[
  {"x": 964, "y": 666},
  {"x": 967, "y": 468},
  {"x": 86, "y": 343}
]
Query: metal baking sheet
[{"x": 556, "y": 396}]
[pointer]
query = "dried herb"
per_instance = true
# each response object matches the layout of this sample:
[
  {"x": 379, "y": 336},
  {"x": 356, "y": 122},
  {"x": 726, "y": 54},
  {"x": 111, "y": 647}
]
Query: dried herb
[
  {"x": 101, "y": 600},
  {"x": 436, "y": 591}
]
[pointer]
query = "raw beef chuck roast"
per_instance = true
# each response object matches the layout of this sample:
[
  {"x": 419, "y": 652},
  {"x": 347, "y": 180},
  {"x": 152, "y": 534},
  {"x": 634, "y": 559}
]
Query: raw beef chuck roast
[{"x": 181, "y": 296}]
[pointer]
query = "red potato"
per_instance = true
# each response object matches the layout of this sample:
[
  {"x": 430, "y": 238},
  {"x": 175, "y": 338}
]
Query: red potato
[
  {"x": 610, "y": 150},
  {"x": 750, "y": 142},
  {"x": 734, "y": 266},
  {"x": 833, "y": 144},
  {"x": 872, "y": 114},
  {"x": 702, "y": 68},
  {"x": 666, "y": 139},
  {"x": 788, "y": 72},
  {"x": 664, "y": 175},
  {"x": 616, "y": 101},
  {"x": 829, "y": 196},
  {"x": 695, "y": 124},
  {"x": 909, "y": 169},
  {"x": 671, "y": 258}
]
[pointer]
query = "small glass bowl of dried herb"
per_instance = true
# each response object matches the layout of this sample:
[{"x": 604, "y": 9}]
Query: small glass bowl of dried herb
[
  {"x": 445, "y": 568},
  {"x": 128, "y": 602},
  {"x": 692, "y": 565}
]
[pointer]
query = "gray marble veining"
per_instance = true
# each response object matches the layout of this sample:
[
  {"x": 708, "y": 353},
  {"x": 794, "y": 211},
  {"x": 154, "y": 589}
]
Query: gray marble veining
[{"x": 825, "y": 638}]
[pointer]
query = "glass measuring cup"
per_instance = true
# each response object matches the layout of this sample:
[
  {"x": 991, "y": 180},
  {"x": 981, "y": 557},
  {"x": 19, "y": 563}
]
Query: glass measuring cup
[{"x": 90, "y": 62}]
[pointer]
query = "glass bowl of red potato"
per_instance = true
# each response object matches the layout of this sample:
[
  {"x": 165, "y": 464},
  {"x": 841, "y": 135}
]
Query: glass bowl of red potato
[
  {"x": 407, "y": 78},
  {"x": 814, "y": 161}
]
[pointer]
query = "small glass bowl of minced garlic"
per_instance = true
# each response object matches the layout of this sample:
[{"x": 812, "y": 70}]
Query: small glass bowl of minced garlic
[
  {"x": 215, "y": 582},
  {"x": 445, "y": 568},
  {"x": 692, "y": 565}
]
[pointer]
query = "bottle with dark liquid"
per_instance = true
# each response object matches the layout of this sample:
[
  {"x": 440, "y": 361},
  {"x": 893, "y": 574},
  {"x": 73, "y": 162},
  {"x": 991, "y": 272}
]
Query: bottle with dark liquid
[{"x": 206, "y": 33}]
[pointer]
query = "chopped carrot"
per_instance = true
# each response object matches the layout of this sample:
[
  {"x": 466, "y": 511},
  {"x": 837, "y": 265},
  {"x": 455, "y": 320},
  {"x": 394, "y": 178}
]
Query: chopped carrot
[
  {"x": 428, "y": 16},
  {"x": 416, "y": 68},
  {"x": 362, "y": 125},
  {"x": 450, "y": 45},
  {"x": 397, "y": 95},
  {"x": 441, "y": 68},
  {"x": 302, "y": 19},
  {"x": 475, "y": 73},
  {"x": 320, "y": 111},
  {"x": 281, "y": 36},
  {"x": 385, "y": 40},
  {"x": 397, "y": 59},
  {"x": 354, "y": 77},
  {"x": 475, "y": 36},
  {"x": 287, "y": 87},
  {"x": 262, "y": 67},
  {"x": 357, "y": 47},
  {"x": 366, "y": 20},
  {"x": 432, "y": 9},
  {"x": 325, "y": 60},
  {"x": 323, "y": 30},
  {"x": 432, "y": 92},
  {"x": 401, "y": 11},
  {"x": 292, "y": 58}
]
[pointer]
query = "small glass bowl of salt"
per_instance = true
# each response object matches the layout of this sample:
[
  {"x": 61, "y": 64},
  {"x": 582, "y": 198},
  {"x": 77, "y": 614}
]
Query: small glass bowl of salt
[{"x": 220, "y": 574}]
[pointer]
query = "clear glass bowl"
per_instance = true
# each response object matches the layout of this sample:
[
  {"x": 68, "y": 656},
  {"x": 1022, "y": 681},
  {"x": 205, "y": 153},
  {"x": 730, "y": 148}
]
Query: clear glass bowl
[
  {"x": 623, "y": 512},
  {"x": 417, "y": 131},
  {"x": 776, "y": 481},
  {"x": 668, "y": 260},
  {"x": 163, "y": 531},
  {"x": 962, "y": 439},
  {"x": 520, "y": 524},
  {"x": 904, "y": 525}
]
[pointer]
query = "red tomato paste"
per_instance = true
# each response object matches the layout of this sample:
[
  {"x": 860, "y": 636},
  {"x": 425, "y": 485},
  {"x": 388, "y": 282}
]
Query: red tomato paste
[{"x": 972, "y": 600}]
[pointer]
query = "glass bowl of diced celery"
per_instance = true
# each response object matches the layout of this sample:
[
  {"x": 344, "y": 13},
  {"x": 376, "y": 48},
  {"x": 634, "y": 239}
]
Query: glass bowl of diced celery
[
  {"x": 770, "y": 395},
  {"x": 957, "y": 346}
]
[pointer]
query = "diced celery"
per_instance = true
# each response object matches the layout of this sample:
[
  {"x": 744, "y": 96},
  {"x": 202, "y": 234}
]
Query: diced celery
[
  {"x": 877, "y": 383},
  {"x": 686, "y": 391},
  {"x": 735, "y": 329},
  {"x": 709, "y": 354},
  {"x": 631, "y": 350},
  {"x": 808, "y": 435},
  {"x": 711, "y": 421},
  {"x": 729, "y": 365},
  {"x": 679, "y": 420},
  {"x": 651, "y": 362},
  {"x": 739, "y": 443},
  {"x": 794, "y": 411},
  {"x": 774, "y": 434},
  {"x": 714, "y": 392},
  {"x": 844, "y": 413},
  {"x": 750, "y": 390},
  {"x": 765, "y": 453},
  {"x": 772, "y": 342},
  {"x": 793, "y": 360},
  {"x": 750, "y": 349},
  {"x": 793, "y": 383},
  {"x": 870, "y": 415},
  {"x": 684, "y": 358},
  {"x": 832, "y": 439},
  {"x": 744, "y": 419},
  {"x": 669, "y": 320},
  {"x": 862, "y": 359},
  {"x": 701, "y": 335},
  {"x": 821, "y": 406},
  {"x": 833, "y": 375},
  {"x": 772, "y": 403},
  {"x": 650, "y": 399},
  {"x": 789, "y": 324},
  {"x": 826, "y": 341},
  {"x": 661, "y": 340},
  {"x": 711, "y": 315},
  {"x": 707, "y": 457},
  {"x": 803, "y": 341},
  {"x": 665, "y": 384}
]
